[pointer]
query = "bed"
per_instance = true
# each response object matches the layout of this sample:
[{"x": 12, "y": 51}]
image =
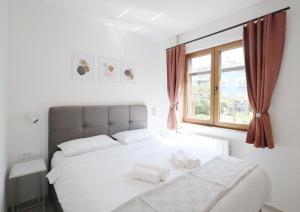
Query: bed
[{"x": 99, "y": 180}]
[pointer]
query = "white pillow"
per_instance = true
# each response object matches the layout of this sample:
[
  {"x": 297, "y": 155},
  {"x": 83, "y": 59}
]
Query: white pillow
[
  {"x": 132, "y": 136},
  {"x": 83, "y": 145}
]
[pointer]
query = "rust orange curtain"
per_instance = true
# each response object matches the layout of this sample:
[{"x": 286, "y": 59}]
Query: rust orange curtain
[
  {"x": 263, "y": 48},
  {"x": 175, "y": 75}
]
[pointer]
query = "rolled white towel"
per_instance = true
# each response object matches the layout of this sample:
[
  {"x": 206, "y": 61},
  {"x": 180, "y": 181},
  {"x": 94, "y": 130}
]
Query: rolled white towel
[
  {"x": 197, "y": 161},
  {"x": 162, "y": 170},
  {"x": 190, "y": 161},
  {"x": 139, "y": 173},
  {"x": 178, "y": 161}
]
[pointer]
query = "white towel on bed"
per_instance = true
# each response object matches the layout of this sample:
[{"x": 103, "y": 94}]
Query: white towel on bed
[
  {"x": 162, "y": 170},
  {"x": 190, "y": 161},
  {"x": 139, "y": 173},
  {"x": 177, "y": 160}
]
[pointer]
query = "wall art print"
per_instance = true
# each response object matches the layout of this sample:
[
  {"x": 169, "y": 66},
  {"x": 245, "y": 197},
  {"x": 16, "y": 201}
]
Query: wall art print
[
  {"x": 83, "y": 66},
  {"x": 127, "y": 72},
  {"x": 108, "y": 69}
]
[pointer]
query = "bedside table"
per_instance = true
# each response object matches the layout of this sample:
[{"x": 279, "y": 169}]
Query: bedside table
[
  {"x": 22, "y": 169},
  {"x": 267, "y": 207}
]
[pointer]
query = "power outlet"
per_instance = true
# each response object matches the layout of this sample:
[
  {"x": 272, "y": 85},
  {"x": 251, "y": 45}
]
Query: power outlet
[
  {"x": 29, "y": 154},
  {"x": 153, "y": 111}
]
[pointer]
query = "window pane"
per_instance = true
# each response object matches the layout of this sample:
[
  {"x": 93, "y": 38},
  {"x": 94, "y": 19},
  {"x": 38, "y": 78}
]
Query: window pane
[
  {"x": 200, "y": 64},
  {"x": 232, "y": 58},
  {"x": 199, "y": 88},
  {"x": 234, "y": 104}
]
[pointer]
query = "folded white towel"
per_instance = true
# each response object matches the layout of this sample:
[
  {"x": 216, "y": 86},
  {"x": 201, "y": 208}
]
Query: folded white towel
[
  {"x": 190, "y": 161},
  {"x": 177, "y": 160},
  {"x": 139, "y": 173},
  {"x": 162, "y": 170}
]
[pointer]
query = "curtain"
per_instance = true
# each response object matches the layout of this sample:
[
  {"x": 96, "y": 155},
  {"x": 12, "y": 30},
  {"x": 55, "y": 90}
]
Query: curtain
[
  {"x": 263, "y": 48},
  {"x": 175, "y": 77}
]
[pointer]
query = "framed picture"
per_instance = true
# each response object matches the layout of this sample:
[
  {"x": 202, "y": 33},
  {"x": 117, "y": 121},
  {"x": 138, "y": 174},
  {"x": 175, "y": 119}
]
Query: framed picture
[
  {"x": 83, "y": 66},
  {"x": 107, "y": 69},
  {"x": 127, "y": 72}
]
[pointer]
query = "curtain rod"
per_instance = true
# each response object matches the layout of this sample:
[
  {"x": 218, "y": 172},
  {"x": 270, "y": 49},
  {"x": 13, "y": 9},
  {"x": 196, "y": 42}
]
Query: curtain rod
[{"x": 229, "y": 28}]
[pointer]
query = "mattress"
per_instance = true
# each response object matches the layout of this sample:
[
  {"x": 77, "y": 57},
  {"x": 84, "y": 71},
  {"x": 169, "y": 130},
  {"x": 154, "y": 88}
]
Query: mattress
[{"x": 99, "y": 181}]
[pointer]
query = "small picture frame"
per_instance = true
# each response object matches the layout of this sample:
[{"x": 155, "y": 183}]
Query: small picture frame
[
  {"x": 83, "y": 66},
  {"x": 108, "y": 69},
  {"x": 127, "y": 72}
]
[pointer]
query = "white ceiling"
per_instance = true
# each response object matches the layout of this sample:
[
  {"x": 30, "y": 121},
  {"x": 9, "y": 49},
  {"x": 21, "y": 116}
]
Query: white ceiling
[{"x": 156, "y": 19}]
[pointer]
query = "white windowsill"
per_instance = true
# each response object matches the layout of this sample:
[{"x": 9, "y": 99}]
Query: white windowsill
[{"x": 211, "y": 131}]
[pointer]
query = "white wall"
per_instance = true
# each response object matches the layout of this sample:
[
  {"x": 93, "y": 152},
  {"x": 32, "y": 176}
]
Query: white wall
[
  {"x": 281, "y": 163},
  {"x": 3, "y": 98},
  {"x": 42, "y": 39}
]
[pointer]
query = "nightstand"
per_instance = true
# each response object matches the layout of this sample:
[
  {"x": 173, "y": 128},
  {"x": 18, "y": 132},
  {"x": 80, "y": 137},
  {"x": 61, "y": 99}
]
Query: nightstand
[
  {"x": 267, "y": 207},
  {"x": 22, "y": 169}
]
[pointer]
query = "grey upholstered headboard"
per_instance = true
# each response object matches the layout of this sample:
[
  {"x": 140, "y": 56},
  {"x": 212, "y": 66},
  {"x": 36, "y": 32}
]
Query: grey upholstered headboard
[{"x": 72, "y": 122}]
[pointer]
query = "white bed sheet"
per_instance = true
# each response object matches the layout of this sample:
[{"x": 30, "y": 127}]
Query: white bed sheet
[
  {"x": 57, "y": 158},
  {"x": 99, "y": 181}
]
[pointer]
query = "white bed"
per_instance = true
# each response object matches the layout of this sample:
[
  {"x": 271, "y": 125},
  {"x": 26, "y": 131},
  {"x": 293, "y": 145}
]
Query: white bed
[{"x": 99, "y": 181}]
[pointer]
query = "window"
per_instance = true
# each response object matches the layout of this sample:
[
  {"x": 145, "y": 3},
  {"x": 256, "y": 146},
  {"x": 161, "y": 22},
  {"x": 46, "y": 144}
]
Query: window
[
  {"x": 241, "y": 82},
  {"x": 224, "y": 83},
  {"x": 215, "y": 88},
  {"x": 199, "y": 87}
]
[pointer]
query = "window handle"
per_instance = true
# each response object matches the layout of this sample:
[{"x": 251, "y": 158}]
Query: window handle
[{"x": 215, "y": 90}]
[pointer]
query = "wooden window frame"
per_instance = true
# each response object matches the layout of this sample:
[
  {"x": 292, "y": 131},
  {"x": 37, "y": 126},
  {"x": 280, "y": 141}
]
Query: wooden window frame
[{"x": 215, "y": 82}]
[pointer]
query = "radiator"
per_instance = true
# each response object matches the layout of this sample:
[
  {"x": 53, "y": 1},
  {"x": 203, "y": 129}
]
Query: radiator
[{"x": 212, "y": 144}]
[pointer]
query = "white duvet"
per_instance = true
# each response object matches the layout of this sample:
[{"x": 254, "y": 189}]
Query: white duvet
[{"x": 99, "y": 181}]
